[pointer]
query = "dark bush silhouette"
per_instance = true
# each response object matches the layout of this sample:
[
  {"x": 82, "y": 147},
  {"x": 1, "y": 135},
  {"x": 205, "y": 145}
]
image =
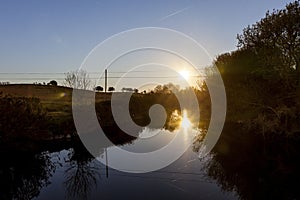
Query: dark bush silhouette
[
  {"x": 111, "y": 89},
  {"x": 53, "y": 82},
  {"x": 99, "y": 88},
  {"x": 20, "y": 115}
]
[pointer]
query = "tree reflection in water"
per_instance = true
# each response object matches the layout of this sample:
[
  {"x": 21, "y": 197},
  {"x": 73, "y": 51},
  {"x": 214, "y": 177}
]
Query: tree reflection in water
[
  {"x": 23, "y": 175},
  {"x": 256, "y": 169},
  {"x": 81, "y": 174}
]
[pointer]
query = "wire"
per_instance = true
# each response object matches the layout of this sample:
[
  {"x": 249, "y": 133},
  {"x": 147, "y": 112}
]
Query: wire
[
  {"x": 92, "y": 72},
  {"x": 94, "y": 78}
]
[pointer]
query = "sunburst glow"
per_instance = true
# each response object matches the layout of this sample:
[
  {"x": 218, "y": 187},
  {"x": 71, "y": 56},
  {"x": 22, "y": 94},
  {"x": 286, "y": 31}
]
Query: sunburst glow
[{"x": 185, "y": 74}]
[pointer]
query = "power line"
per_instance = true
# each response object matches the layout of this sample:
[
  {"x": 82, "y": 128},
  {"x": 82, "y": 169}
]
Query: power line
[
  {"x": 32, "y": 73},
  {"x": 94, "y": 72},
  {"x": 111, "y": 77},
  {"x": 153, "y": 76}
]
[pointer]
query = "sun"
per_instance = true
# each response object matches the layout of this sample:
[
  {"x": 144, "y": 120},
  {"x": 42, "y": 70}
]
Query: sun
[{"x": 185, "y": 74}]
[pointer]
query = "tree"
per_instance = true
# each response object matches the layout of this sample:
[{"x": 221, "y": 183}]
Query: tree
[
  {"x": 167, "y": 88},
  {"x": 78, "y": 79},
  {"x": 237, "y": 66},
  {"x": 124, "y": 89},
  {"x": 276, "y": 37},
  {"x": 4, "y": 83},
  {"x": 99, "y": 88},
  {"x": 53, "y": 82},
  {"x": 111, "y": 89},
  {"x": 261, "y": 76}
]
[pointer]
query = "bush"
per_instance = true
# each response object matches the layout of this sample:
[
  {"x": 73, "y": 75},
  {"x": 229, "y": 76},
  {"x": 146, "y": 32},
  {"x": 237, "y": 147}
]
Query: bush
[
  {"x": 19, "y": 115},
  {"x": 53, "y": 82}
]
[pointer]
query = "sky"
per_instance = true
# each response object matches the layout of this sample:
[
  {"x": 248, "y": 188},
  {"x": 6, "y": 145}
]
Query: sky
[{"x": 55, "y": 36}]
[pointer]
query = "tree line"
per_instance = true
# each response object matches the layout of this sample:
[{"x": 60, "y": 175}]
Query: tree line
[{"x": 262, "y": 77}]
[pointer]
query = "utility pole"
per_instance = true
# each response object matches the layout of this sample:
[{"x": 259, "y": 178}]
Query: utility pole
[
  {"x": 106, "y": 165},
  {"x": 105, "y": 79}
]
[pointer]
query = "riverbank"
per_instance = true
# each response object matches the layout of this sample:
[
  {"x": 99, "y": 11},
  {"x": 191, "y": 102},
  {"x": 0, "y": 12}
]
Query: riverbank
[{"x": 44, "y": 112}]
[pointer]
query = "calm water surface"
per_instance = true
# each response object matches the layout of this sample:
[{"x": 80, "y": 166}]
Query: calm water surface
[
  {"x": 240, "y": 167},
  {"x": 72, "y": 173}
]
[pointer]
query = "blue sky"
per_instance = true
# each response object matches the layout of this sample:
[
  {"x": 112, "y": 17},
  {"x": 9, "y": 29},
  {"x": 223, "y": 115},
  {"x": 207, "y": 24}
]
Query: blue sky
[{"x": 55, "y": 36}]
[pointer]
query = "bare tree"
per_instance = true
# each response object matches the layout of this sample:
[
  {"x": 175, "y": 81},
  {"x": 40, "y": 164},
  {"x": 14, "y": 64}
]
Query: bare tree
[{"x": 78, "y": 79}]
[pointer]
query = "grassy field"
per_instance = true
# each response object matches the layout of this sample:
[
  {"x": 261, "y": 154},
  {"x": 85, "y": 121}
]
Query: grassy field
[
  {"x": 57, "y": 100},
  {"x": 46, "y": 93}
]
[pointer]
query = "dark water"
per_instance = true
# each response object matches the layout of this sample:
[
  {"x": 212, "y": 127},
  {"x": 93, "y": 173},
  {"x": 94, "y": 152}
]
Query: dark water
[{"x": 239, "y": 168}]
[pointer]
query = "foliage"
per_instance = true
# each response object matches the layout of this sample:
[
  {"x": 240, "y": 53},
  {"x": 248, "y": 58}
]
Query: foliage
[
  {"x": 99, "y": 88},
  {"x": 53, "y": 82},
  {"x": 262, "y": 77},
  {"x": 19, "y": 115},
  {"x": 167, "y": 88},
  {"x": 277, "y": 38},
  {"x": 111, "y": 89}
]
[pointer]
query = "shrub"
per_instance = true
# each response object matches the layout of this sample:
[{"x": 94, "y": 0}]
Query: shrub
[{"x": 19, "y": 115}]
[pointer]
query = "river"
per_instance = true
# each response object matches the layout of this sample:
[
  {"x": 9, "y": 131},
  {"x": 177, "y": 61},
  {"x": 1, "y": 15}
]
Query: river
[{"x": 65, "y": 170}]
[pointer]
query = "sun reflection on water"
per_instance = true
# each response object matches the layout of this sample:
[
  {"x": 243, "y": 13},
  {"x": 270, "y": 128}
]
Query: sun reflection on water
[{"x": 185, "y": 122}]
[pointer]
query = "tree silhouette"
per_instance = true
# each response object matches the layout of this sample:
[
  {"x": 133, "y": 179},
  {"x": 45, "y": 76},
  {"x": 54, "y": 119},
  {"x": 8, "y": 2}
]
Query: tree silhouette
[
  {"x": 99, "y": 88},
  {"x": 53, "y": 82},
  {"x": 78, "y": 79},
  {"x": 276, "y": 38},
  {"x": 111, "y": 89}
]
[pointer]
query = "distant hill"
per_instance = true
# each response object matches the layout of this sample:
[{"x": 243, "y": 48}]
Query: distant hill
[
  {"x": 43, "y": 92},
  {"x": 57, "y": 100},
  {"x": 46, "y": 93}
]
